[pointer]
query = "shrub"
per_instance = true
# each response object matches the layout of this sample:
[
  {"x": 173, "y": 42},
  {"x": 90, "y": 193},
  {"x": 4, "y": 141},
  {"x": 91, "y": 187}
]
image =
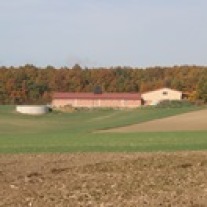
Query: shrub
[
  {"x": 174, "y": 104},
  {"x": 66, "y": 109}
]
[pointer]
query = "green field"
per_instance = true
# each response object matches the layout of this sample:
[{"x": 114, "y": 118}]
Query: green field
[{"x": 75, "y": 132}]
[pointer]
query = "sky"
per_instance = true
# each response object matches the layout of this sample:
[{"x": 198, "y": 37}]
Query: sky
[{"x": 96, "y": 33}]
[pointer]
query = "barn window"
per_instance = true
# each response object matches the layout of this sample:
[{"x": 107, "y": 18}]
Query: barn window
[{"x": 165, "y": 93}]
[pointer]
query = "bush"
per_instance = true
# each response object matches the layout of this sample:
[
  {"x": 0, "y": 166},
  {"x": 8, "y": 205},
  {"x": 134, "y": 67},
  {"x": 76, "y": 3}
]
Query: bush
[
  {"x": 174, "y": 104},
  {"x": 199, "y": 102},
  {"x": 66, "y": 109}
]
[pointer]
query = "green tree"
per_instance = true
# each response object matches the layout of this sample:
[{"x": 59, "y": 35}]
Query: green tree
[{"x": 202, "y": 89}]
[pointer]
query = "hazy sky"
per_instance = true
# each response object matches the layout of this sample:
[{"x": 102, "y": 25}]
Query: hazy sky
[{"x": 103, "y": 32}]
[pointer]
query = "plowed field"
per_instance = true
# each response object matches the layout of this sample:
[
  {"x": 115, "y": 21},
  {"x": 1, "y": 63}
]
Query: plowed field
[
  {"x": 192, "y": 121},
  {"x": 104, "y": 179}
]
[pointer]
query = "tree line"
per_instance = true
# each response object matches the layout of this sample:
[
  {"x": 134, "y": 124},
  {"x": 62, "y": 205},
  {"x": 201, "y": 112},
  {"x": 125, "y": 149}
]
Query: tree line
[{"x": 32, "y": 85}]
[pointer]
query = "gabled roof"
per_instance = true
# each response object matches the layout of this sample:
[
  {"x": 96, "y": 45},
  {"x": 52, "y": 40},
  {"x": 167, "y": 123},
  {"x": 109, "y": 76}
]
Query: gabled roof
[
  {"x": 126, "y": 96},
  {"x": 159, "y": 89}
]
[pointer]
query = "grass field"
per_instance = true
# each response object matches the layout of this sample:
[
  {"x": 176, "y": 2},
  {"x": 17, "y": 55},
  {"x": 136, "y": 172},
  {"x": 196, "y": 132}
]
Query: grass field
[{"x": 75, "y": 132}]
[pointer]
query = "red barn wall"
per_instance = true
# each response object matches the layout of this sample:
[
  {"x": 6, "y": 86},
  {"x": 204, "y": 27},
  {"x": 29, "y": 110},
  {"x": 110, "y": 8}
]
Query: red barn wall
[{"x": 90, "y": 103}]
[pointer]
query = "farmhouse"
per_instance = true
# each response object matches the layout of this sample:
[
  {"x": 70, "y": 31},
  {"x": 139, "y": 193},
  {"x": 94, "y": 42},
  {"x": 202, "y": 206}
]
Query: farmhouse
[
  {"x": 114, "y": 100},
  {"x": 154, "y": 97},
  {"x": 90, "y": 100}
]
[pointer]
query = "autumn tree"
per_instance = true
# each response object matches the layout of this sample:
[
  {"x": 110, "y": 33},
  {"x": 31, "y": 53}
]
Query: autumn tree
[{"x": 202, "y": 88}]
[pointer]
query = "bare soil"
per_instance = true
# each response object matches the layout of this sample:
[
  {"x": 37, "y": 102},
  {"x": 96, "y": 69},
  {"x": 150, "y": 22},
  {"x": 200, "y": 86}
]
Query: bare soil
[
  {"x": 104, "y": 179},
  {"x": 192, "y": 121}
]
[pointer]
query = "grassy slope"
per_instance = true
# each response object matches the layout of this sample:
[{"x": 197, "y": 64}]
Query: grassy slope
[{"x": 59, "y": 132}]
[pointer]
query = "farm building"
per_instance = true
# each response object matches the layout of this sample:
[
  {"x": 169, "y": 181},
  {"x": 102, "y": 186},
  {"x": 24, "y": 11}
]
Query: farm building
[
  {"x": 154, "y": 97},
  {"x": 91, "y": 100},
  {"x": 32, "y": 110}
]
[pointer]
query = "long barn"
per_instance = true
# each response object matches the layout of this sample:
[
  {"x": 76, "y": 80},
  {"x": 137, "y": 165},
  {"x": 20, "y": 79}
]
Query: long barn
[{"x": 93, "y": 100}]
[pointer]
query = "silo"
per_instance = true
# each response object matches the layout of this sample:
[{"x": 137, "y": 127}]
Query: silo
[{"x": 32, "y": 109}]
